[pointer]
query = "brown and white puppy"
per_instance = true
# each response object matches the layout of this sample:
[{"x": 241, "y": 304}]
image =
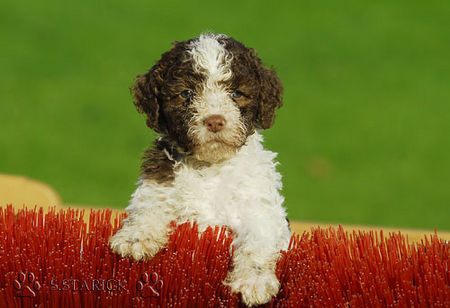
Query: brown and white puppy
[{"x": 208, "y": 98}]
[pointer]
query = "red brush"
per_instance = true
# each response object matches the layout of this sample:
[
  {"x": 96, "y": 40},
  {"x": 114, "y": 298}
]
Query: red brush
[{"x": 56, "y": 260}]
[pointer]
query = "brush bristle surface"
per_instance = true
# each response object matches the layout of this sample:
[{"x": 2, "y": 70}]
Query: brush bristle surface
[{"x": 56, "y": 259}]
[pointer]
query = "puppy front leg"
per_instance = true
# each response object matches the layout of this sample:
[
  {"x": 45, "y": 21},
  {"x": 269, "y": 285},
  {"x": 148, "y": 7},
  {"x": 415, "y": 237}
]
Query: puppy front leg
[
  {"x": 142, "y": 235},
  {"x": 254, "y": 263},
  {"x": 254, "y": 279}
]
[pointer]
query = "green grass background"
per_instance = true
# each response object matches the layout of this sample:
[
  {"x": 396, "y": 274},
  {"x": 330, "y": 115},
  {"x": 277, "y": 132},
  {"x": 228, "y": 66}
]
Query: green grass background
[{"x": 363, "y": 136}]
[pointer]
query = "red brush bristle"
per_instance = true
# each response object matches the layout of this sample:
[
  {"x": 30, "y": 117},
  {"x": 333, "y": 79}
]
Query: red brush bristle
[{"x": 71, "y": 265}]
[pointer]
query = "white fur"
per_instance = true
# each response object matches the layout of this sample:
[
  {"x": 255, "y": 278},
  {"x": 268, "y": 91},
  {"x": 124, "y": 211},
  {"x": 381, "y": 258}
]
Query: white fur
[
  {"x": 211, "y": 57},
  {"x": 241, "y": 192}
]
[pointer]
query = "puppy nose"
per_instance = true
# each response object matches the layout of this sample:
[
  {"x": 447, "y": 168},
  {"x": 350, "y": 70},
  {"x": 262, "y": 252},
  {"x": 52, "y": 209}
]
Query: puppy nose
[{"x": 215, "y": 123}]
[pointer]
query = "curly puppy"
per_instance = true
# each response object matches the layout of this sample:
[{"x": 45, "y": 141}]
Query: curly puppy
[{"x": 208, "y": 98}]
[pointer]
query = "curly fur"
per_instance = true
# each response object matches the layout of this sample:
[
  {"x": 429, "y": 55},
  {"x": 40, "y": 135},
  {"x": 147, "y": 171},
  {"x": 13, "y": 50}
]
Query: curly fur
[{"x": 220, "y": 177}]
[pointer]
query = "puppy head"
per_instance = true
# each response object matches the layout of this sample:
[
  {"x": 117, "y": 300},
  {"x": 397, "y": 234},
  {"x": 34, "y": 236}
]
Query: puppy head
[{"x": 208, "y": 95}]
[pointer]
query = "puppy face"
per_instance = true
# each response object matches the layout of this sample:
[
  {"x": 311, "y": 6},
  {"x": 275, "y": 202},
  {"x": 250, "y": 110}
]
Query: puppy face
[{"x": 207, "y": 95}]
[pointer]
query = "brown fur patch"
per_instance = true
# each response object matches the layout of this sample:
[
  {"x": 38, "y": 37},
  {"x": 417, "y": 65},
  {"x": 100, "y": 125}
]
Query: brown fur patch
[
  {"x": 157, "y": 94},
  {"x": 261, "y": 86},
  {"x": 156, "y": 165}
]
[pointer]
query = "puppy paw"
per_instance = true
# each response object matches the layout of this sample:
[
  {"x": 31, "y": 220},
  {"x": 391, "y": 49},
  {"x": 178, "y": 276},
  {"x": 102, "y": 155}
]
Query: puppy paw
[
  {"x": 256, "y": 288},
  {"x": 139, "y": 248}
]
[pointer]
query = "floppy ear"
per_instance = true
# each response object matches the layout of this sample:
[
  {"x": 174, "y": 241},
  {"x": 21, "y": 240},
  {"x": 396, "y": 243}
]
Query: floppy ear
[
  {"x": 146, "y": 101},
  {"x": 270, "y": 97}
]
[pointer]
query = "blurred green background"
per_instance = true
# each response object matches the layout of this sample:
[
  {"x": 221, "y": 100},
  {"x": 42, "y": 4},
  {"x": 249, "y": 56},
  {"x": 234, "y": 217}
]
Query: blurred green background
[{"x": 363, "y": 136}]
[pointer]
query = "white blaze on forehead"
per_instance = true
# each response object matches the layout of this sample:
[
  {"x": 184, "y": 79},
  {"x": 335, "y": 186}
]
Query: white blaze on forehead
[
  {"x": 213, "y": 61},
  {"x": 211, "y": 58}
]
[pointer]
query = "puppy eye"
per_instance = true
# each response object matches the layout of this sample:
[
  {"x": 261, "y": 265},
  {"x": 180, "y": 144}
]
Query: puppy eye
[
  {"x": 237, "y": 94},
  {"x": 186, "y": 94}
]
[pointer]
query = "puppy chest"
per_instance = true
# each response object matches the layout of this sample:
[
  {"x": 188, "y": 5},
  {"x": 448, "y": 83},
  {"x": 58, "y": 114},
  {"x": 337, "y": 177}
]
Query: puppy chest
[
  {"x": 207, "y": 189},
  {"x": 224, "y": 190}
]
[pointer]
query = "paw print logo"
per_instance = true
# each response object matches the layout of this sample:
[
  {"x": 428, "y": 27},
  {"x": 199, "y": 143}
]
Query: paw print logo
[
  {"x": 149, "y": 286},
  {"x": 26, "y": 285}
]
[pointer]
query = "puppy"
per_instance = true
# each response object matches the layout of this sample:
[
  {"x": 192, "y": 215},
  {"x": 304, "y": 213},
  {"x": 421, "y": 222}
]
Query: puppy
[{"x": 208, "y": 98}]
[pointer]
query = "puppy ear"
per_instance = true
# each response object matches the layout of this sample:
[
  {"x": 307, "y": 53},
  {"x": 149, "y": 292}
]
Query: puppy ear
[
  {"x": 270, "y": 97},
  {"x": 146, "y": 101}
]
